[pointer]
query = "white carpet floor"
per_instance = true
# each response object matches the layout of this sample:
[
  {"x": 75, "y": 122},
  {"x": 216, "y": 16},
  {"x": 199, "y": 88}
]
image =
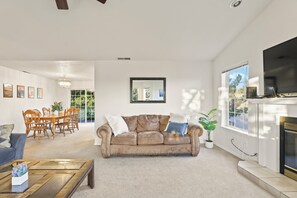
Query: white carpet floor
[{"x": 213, "y": 174}]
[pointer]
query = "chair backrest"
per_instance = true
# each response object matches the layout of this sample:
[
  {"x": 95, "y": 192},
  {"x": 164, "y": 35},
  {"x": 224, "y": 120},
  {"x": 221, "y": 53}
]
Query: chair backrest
[
  {"x": 68, "y": 113},
  {"x": 46, "y": 111},
  {"x": 76, "y": 112},
  {"x": 31, "y": 117},
  {"x": 36, "y": 110}
]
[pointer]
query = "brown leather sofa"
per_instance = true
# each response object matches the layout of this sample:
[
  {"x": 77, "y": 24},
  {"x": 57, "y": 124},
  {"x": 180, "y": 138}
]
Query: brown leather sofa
[{"x": 146, "y": 136}]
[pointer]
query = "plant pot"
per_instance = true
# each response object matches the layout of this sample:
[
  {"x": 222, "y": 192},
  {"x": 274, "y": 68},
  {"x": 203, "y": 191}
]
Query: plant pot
[
  {"x": 56, "y": 113},
  {"x": 209, "y": 144},
  {"x": 19, "y": 180}
]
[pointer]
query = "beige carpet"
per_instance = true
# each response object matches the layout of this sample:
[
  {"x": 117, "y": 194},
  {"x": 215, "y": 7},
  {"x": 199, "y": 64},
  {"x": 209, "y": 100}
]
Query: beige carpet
[{"x": 212, "y": 174}]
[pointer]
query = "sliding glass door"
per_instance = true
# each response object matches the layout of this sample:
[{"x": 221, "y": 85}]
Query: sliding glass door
[{"x": 85, "y": 100}]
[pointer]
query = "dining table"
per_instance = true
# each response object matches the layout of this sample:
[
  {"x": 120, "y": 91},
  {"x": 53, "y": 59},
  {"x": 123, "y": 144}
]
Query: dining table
[{"x": 52, "y": 119}]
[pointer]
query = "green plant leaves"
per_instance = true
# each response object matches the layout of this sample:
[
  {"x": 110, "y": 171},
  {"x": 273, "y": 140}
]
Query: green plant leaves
[
  {"x": 213, "y": 110},
  {"x": 207, "y": 120},
  {"x": 57, "y": 106}
]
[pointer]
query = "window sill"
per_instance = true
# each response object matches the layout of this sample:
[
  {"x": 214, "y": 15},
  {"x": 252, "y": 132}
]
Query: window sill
[{"x": 236, "y": 130}]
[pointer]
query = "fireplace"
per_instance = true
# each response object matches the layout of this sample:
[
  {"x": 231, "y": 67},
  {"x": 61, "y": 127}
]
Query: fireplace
[{"x": 288, "y": 147}]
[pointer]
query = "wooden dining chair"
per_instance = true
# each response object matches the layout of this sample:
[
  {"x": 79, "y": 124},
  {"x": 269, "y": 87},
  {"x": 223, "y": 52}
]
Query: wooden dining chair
[
  {"x": 64, "y": 124},
  {"x": 33, "y": 123},
  {"x": 76, "y": 113},
  {"x": 46, "y": 111},
  {"x": 74, "y": 118},
  {"x": 37, "y": 111}
]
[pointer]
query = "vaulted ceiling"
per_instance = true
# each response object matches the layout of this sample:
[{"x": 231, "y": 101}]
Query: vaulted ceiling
[
  {"x": 140, "y": 29},
  {"x": 38, "y": 38}
]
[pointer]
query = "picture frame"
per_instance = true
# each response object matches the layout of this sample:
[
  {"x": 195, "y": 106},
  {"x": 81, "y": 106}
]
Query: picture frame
[
  {"x": 20, "y": 91},
  {"x": 251, "y": 92},
  {"x": 31, "y": 92},
  {"x": 7, "y": 90},
  {"x": 39, "y": 93}
]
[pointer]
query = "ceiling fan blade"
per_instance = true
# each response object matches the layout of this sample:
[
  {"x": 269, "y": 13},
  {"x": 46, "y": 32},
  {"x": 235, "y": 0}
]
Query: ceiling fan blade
[
  {"x": 62, "y": 4},
  {"x": 102, "y": 1}
]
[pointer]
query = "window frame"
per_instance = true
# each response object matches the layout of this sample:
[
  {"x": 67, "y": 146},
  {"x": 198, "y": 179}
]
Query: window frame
[
  {"x": 84, "y": 108},
  {"x": 226, "y": 119}
]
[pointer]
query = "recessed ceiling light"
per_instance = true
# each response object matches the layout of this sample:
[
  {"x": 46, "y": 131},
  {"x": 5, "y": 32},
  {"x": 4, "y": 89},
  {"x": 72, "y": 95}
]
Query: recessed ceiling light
[{"x": 235, "y": 3}]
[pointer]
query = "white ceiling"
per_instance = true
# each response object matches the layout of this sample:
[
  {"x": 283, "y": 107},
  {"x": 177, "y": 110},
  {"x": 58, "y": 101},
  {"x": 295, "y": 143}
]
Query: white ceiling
[
  {"x": 140, "y": 29},
  {"x": 72, "y": 70}
]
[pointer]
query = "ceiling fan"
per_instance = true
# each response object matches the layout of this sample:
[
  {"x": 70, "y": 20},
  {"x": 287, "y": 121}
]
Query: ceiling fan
[{"x": 63, "y": 5}]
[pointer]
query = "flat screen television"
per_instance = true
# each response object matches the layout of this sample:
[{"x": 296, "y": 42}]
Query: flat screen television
[{"x": 280, "y": 69}]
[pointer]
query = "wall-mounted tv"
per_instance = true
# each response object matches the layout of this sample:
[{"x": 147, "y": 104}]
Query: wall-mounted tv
[{"x": 280, "y": 69}]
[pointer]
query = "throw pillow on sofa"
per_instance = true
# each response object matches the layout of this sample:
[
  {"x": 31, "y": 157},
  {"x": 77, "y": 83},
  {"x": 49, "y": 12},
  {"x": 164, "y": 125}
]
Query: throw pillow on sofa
[
  {"x": 2, "y": 139},
  {"x": 180, "y": 128},
  {"x": 177, "y": 118},
  {"x": 117, "y": 124},
  {"x": 5, "y": 131}
]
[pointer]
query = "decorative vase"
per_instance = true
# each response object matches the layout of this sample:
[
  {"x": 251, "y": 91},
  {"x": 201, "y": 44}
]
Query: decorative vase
[
  {"x": 19, "y": 180},
  {"x": 209, "y": 144},
  {"x": 20, "y": 188},
  {"x": 56, "y": 113}
]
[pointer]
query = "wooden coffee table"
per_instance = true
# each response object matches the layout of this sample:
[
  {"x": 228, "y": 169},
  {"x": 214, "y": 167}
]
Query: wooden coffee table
[{"x": 48, "y": 178}]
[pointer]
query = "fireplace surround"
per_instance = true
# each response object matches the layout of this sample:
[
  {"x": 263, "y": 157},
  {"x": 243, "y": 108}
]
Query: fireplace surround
[{"x": 288, "y": 146}]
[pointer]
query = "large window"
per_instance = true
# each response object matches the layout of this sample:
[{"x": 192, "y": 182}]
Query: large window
[
  {"x": 85, "y": 100},
  {"x": 236, "y": 81}
]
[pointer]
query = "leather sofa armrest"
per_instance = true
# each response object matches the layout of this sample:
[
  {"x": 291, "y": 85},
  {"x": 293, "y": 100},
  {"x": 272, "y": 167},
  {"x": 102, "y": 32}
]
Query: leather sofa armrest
[
  {"x": 195, "y": 128},
  {"x": 104, "y": 132},
  {"x": 17, "y": 141},
  {"x": 195, "y": 131}
]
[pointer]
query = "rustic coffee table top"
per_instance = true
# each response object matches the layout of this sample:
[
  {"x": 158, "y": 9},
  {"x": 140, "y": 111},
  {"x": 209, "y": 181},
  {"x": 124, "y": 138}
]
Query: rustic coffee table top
[{"x": 48, "y": 178}]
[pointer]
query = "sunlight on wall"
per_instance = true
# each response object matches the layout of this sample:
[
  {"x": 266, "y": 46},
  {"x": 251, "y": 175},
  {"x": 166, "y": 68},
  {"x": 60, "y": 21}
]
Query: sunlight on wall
[
  {"x": 222, "y": 104},
  {"x": 270, "y": 120},
  {"x": 191, "y": 100},
  {"x": 223, "y": 96}
]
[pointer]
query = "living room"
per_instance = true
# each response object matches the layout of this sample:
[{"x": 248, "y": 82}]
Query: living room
[{"x": 168, "y": 39}]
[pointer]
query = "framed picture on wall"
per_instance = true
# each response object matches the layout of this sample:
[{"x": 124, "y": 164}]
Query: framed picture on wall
[
  {"x": 31, "y": 92},
  {"x": 39, "y": 93},
  {"x": 21, "y": 91},
  {"x": 7, "y": 90}
]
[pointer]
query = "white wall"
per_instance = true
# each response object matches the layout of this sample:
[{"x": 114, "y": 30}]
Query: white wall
[
  {"x": 11, "y": 108},
  {"x": 276, "y": 24},
  {"x": 188, "y": 87}
]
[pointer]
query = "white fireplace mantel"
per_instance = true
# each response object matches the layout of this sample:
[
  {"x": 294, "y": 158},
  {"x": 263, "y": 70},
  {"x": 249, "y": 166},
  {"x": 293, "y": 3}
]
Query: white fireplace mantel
[
  {"x": 276, "y": 101},
  {"x": 266, "y": 114}
]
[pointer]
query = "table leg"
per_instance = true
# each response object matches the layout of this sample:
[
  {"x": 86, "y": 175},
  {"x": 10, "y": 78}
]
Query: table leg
[
  {"x": 91, "y": 178},
  {"x": 53, "y": 129}
]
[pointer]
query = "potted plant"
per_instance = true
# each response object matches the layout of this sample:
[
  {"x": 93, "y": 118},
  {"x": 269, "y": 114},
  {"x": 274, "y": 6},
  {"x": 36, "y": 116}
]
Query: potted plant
[
  {"x": 209, "y": 123},
  {"x": 56, "y": 107}
]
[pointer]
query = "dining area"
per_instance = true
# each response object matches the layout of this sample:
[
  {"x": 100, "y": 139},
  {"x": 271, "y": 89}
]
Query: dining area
[{"x": 48, "y": 122}]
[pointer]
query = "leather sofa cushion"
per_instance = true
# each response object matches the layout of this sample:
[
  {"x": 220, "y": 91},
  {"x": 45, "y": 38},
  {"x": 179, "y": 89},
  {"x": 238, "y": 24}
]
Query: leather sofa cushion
[
  {"x": 127, "y": 138},
  {"x": 163, "y": 121},
  {"x": 170, "y": 138},
  {"x": 131, "y": 122},
  {"x": 150, "y": 137},
  {"x": 148, "y": 123}
]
